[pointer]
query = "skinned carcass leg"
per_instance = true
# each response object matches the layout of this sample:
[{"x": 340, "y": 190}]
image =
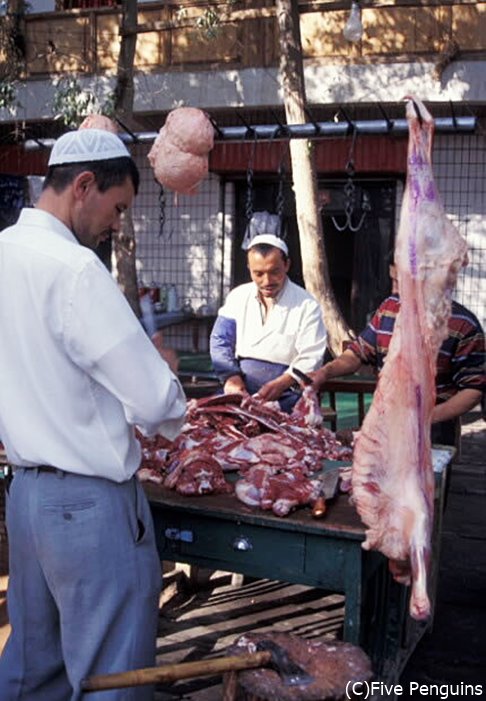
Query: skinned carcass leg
[{"x": 392, "y": 477}]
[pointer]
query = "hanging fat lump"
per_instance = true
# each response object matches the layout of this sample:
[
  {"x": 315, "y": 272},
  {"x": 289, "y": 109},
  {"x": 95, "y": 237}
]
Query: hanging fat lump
[
  {"x": 99, "y": 121},
  {"x": 179, "y": 155}
]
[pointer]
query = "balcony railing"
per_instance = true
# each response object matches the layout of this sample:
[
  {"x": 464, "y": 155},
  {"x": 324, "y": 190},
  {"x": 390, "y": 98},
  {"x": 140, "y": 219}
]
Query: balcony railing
[{"x": 86, "y": 37}]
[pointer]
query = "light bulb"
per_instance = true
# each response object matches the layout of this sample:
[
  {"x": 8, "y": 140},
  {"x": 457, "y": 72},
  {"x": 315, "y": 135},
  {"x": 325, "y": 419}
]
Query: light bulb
[{"x": 353, "y": 30}]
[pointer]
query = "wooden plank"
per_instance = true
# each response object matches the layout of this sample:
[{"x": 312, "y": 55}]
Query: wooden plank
[
  {"x": 403, "y": 30},
  {"x": 108, "y": 40},
  {"x": 153, "y": 48},
  {"x": 57, "y": 46},
  {"x": 468, "y": 26}
]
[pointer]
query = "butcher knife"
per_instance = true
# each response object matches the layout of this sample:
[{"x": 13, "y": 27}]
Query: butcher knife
[
  {"x": 328, "y": 489},
  {"x": 305, "y": 379}
]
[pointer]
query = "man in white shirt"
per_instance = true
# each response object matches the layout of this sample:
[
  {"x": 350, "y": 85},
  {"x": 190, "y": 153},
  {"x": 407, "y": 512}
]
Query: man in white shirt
[
  {"x": 266, "y": 328},
  {"x": 77, "y": 374}
]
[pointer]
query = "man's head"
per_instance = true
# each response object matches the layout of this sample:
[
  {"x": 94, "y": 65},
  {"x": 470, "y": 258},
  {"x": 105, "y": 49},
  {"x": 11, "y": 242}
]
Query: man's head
[
  {"x": 268, "y": 263},
  {"x": 90, "y": 182}
]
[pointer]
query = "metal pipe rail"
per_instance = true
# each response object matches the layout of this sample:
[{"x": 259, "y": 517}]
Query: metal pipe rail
[{"x": 310, "y": 130}]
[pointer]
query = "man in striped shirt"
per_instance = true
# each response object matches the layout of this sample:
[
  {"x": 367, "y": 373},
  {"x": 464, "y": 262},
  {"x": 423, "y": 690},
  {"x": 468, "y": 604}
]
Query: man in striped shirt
[{"x": 460, "y": 379}]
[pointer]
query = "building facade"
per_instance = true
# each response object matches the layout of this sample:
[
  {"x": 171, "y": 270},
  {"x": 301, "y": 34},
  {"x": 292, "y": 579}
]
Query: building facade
[{"x": 229, "y": 66}]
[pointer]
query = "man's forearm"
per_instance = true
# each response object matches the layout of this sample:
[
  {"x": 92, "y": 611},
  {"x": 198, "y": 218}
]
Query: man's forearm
[
  {"x": 459, "y": 404},
  {"x": 347, "y": 363}
]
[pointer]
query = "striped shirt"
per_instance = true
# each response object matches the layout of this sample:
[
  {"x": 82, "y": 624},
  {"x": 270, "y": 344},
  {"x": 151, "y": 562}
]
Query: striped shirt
[{"x": 461, "y": 359}]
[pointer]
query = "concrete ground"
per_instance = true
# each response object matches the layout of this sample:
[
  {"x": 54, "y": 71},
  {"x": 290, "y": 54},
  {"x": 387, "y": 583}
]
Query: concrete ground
[
  {"x": 198, "y": 621},
  {"x": 455, "y": 650}
]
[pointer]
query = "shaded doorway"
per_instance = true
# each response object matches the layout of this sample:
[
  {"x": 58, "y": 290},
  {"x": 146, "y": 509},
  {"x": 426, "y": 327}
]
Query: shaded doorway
[{"x": 358, "y": 245}]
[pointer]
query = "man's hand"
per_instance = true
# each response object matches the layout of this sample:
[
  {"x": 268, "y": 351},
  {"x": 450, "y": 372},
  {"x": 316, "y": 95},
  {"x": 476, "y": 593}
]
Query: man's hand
[
  {"x": 274, "y": 389},
  {"x": 319, "y": 377},
  {"x": 168, "y": 354},
  {"x": 235, "y": 385}
]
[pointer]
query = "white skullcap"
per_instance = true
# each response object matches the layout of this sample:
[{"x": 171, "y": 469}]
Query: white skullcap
[
  {"x": 270, "y": 240},
  {"x": 87, "y": 145}
]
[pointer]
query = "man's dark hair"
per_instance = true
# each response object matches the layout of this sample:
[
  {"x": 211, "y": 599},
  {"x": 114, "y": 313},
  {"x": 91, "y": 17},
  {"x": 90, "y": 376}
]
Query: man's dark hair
[
  {"x": 265, "y": 248},
  {"x": 109, "y": 173}
]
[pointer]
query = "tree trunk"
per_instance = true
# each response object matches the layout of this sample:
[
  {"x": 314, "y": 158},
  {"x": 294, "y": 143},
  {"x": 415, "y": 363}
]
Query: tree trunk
[
  {"x": 314, "y": 260},
  {"x": 124, "y": 244},
  {"x": 125, "y": 258}
]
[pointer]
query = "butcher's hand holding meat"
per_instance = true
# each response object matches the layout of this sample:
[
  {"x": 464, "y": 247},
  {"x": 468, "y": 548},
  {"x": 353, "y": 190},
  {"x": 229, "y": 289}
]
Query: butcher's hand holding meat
[{"x": 392, "y": 479}]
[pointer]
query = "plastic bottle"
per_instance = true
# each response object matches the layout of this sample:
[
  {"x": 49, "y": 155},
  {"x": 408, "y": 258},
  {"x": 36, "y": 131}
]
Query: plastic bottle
[
  {"x": 172, "y": 299},
  {"x": 163, "y": 298}
]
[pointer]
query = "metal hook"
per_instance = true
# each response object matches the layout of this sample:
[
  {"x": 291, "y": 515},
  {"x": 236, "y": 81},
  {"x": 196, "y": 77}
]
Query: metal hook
[
  {"x": 417, "y": 112},
  {"x": 280, "y": 199},
  {"x": 161, "y": 209},
  {"x": 134, "y": 137},
  {"x": 250, "y": 131},
  {"x": 219, "y": 132},
  {"x": 389, "y": 122},
  {"x": 249, "y": 181},
  {"x": 351, "y": 124},
  {"x": 282, "y": 129},
  {"x": 454, "y": 119},
  {"x": 350, "y": 196},
  {"x": 313, "y": 121}
]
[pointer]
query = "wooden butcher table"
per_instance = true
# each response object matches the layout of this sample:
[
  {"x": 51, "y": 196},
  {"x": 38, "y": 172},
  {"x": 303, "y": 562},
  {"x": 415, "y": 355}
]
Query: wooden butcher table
[{"x": 220, "y": 532}]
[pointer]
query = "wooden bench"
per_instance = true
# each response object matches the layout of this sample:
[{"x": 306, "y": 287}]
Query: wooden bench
[{"x": 360, "y": 385}]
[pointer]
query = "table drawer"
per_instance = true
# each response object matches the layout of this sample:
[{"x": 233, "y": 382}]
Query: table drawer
[
  {"x": 230, "y": 544},
  {"x": 327, "y": 562}
]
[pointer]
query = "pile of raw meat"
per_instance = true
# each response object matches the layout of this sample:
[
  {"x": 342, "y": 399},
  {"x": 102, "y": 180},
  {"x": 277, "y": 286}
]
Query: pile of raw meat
[{"x": 274, "y": 454}]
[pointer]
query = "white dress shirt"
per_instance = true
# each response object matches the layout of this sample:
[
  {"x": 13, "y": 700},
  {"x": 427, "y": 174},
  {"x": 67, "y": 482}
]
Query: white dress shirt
[
  {"x": 292, "y": 333},
  {"x": 77, "y": 370}
]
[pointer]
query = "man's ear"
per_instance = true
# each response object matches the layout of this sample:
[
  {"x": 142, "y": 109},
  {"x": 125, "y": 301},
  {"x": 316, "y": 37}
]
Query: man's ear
[{"x": 82, "y": 183}]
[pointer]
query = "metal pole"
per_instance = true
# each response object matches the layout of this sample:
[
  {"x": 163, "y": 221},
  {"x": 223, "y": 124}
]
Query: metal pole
[{"x": 314, "y": 130}]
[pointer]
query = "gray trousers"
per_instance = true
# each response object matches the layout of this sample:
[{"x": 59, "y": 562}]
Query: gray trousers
[{"x": 84, "y": 585}]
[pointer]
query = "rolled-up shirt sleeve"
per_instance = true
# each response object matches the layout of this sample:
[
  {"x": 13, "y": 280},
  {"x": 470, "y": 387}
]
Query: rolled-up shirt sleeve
[
  {"x": 222, "y": 348},
  {"x": 310, "y": 342},
  {"x": 151, "y": 395}
]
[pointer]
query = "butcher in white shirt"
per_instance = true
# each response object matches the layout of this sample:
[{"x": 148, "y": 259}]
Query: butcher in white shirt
[
  {"x": 267, "y": 328},
  {"x": 77, "y": 375}
]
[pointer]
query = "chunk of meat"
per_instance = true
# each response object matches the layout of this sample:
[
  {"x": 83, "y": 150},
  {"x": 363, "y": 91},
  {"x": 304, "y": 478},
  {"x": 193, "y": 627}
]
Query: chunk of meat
[
  {"x": 392, "y": 478},
  {"x": 197, "y": 473},
  {"x": 190, "y": 130},
  {"x": 281, "y": 491},
  {"x": 179, "y": 154},
  {"x": 246, "y": 434},
  {"x": 307, "y": 411},
  {"x": 99, "y": 121}
]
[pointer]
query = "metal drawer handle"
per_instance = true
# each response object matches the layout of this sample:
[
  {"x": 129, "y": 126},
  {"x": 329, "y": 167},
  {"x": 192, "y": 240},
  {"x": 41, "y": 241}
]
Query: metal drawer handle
[
  {"x": 242, "y": 543},
  {"x": 178, "y": 534}
]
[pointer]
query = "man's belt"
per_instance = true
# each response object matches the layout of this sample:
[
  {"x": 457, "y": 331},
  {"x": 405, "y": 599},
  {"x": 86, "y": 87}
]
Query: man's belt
[{"x": 9, "y": 471}]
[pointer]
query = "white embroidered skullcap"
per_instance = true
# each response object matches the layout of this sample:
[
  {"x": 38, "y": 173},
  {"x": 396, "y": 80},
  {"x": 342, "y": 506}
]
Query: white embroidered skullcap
[
  {"x": 270, "y": 240},
  {"x": 87, "y": 145}
]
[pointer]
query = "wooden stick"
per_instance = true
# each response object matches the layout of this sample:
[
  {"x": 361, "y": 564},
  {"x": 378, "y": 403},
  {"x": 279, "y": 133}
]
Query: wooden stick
[
  {"x": 175, "y": 672},
  {"x": 230, "y": 686}
]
